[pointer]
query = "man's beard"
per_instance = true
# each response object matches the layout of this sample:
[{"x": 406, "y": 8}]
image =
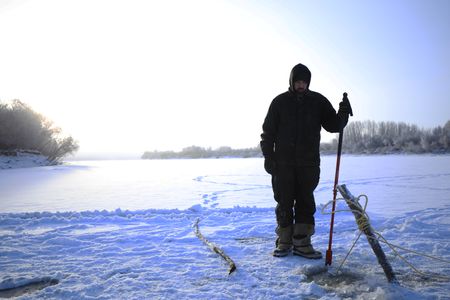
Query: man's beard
[{"x": 301, "y": 91}]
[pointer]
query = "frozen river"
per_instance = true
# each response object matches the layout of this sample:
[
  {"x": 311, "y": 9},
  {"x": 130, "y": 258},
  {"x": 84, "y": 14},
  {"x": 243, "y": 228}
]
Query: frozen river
[
  {"x": 411, "y": 182},
  {"x": 62, "y": 235}
]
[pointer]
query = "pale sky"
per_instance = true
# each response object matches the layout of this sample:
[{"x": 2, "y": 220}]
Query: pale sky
[{"x": 131, "y": 76}]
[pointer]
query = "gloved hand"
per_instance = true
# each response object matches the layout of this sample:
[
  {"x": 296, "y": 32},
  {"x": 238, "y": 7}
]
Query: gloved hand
[
  {"x": 345, "y": 108},
  {"x": 270, "y": 165}
]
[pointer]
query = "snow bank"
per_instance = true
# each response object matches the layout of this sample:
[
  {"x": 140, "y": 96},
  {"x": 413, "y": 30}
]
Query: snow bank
[
  {"x": 154, "y": 253},
  {"x": 22, "y": 159}
]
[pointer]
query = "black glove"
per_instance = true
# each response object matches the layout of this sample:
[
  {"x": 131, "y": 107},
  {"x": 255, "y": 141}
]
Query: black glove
[
  {"x": 344, "y": 108},
  {"x": 270, "y": 165}
]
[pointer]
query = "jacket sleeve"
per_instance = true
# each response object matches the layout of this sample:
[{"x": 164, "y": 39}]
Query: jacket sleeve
[
  {"x": 330, "y": 120},
  {"x": 270, "y": 129}
]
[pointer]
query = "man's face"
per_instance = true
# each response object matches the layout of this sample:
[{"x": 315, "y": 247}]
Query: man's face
[{"x": 300, "y": 86}]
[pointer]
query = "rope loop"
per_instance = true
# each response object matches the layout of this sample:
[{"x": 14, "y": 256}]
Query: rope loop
[{"x": 363, "y": 223}]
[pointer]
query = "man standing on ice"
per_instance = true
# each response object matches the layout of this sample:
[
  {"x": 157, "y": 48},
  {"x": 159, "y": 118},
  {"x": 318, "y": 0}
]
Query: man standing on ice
[{"x": 290, "y": 144}]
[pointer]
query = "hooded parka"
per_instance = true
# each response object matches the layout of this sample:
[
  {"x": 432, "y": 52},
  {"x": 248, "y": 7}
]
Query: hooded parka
[{"x": 291, "y": 129}]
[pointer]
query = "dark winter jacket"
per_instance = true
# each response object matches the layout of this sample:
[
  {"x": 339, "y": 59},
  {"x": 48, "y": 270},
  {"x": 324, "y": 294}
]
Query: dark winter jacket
[{"x": 291, "y": 129}]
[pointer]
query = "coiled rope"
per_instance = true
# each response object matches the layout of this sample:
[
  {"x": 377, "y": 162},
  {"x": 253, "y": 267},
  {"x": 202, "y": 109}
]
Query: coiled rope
[{"x": 363, "y": 223}]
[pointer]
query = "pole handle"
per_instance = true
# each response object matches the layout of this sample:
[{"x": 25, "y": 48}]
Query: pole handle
[{"x": 345, "y": 99}]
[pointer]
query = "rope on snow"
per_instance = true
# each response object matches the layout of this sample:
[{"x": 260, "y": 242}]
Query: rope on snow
[{"x": 362, "y": 220}]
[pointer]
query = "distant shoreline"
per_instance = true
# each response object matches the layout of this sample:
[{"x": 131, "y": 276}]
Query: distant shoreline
[
  {"x": 324, "y": 153},
  {"x": 32, "y": 161}
]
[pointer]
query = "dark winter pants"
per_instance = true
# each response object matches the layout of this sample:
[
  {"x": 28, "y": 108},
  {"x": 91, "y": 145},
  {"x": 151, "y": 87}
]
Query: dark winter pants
[{"x": 293, "y": 189}]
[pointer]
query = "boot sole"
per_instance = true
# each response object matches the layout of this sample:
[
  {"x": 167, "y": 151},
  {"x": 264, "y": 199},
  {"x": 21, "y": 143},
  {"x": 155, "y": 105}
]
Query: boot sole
[
  {"x": 313, "y": 255},
  {"x": 281, "y": 254}
]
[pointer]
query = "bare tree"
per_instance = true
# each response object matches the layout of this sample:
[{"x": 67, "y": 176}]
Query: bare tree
[{"x": 23, "y": 128}]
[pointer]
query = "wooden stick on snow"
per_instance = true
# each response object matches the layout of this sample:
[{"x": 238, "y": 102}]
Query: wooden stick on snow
[{"x": 214, "y": 248}]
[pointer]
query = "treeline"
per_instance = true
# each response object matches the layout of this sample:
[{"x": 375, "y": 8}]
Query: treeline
[
  {"x": 200, "y": 152},
  {"x": 369, "y": 137},
  {"x": 21, "y": 128}
]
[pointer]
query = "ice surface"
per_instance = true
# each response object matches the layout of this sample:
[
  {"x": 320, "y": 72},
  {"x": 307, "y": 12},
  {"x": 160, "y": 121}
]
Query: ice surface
[{"x": 109, "y": 230}]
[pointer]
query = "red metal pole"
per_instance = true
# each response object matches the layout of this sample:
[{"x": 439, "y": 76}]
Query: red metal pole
[{"x": 329, "y": 254}]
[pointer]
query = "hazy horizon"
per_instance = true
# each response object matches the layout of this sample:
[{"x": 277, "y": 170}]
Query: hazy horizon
[{"x": 138, "y": 76}]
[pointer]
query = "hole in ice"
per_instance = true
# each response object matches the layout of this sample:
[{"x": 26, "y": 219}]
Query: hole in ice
[
  {"x": 26, "y": 288},
  {"x": 321, "y": 276}
]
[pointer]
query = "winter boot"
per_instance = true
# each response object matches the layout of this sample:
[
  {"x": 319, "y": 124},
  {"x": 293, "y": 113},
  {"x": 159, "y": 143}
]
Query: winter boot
[
  {"x": 302, "y": 241},
  {"x": 284, "y": 241}
]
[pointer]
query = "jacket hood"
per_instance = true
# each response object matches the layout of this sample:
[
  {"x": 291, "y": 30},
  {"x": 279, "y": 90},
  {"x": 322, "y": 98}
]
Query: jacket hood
[{"x": 299, "y": 72}]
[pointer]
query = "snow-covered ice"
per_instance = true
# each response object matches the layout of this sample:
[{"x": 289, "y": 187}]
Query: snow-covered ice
[{"x": 113, "y": 230}]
